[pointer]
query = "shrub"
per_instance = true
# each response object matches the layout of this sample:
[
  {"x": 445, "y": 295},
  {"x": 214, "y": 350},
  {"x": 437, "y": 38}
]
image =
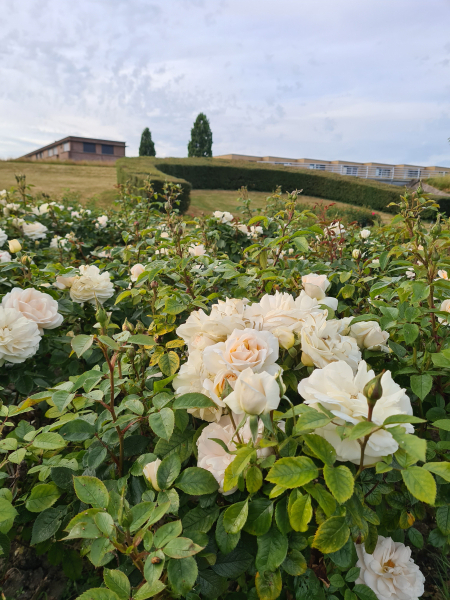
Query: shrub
[{"x": 147, "y": 146}]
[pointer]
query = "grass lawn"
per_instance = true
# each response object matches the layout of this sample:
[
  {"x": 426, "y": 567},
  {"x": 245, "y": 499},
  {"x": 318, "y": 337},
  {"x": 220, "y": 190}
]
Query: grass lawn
[{"x": 96, "y": 182}]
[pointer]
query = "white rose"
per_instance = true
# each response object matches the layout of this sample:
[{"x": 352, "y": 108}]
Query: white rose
[
  {"x": 35, "y": 231},
  {"x": 211, "y": 455},
  {"x": 281, "y": 310},
  {"x": 410, "y": 273},
  {"x": 3, "y": 237},
  {"x": 40, "y": 210},
  {"x": 364, "y": 233},
  {"x": 254, "y": 394},
  {"x": 337, "y": 389},
  {"x": 136, "y": 270},
  {"x": 315, "y": 286},
  {"x": 165, "y": 235},
  {"x": 35, "y": 306},
  {"x": 445, "y": 306},
  {"x": 389, "y": 571},
  {"x": 5, "y": 256},
  {"x": 102, "y": 222},
  {"x": 249, "y": 348},
  {"x": 91, "y": 286},
  {"x": 198, "y": 250},
  {"x": 442, "y": 274},
  {"x": 64, "y": 281},
  {"x": 14, "y": 246},
  {"x": 368, "y": 334},
  {"x": 19, "y": 337},
  {"x": 322, "y": 343},
  {"x": 150, "y": 470},
  {"x": 201, "y": 330},
  {"x": 75, "y": 214},
  {"x": 224, "y": 217},
  {"x": 356, "y": 253},
  {"x": 162, "y": 251},
  {"x": 335, "y": 229},
  {"x": 193, "y": 377},
  {"x": 59, "y": 242},
  {"x": 285, "y": 337}
]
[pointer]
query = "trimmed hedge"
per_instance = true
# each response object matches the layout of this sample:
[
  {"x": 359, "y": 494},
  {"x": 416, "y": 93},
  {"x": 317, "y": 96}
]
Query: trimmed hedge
[
  {"x": 137, "y": 170},
  {"x": 211, "y": 173}
]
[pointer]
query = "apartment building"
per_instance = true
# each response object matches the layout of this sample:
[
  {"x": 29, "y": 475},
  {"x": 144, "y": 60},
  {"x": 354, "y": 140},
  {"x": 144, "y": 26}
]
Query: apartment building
[{"x": 79, "y": 148}]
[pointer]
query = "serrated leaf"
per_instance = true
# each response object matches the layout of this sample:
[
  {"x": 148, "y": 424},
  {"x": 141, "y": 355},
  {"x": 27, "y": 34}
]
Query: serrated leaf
[
  {"x": 331, "y": 535},
  {"x": 42, "y": 496},
  {"x": 268, "y": 585},
  {"x": 182, "y": 574},
  {"x": 321, "y": 448},
  {"x": 272, "y": 550},
  {"x": 162, "y": 423},
  {"x": 235, "y": 517},
  {"x": 292, "y": 472},
  {"x": 49, "y": 441},
  {"x": 81, "y": 343},
  {"x": 168, "y": 471},
  {"x": 99, "y": 594},
  {"x": 169, "y": 363},
  {"x": 421, "y": 385},
  {"x": 117, "y": 582},
  {"x": 339, "y": 481},
  {"x": 196, "y": 481},
  {"x": 193, "y": 400},
  {"x": 167, "y": 532},
  {"x": 181, "y": 547},
  {"x": 420, "y": 483},
  {"x": 91, "y": 490},
  {"x": 300, "y": 513},
  {"x": 46, "y": 525}
]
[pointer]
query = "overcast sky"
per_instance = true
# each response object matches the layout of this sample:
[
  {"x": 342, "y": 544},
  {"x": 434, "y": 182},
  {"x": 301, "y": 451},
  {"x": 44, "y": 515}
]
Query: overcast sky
[{"x": 332, "y": 79}]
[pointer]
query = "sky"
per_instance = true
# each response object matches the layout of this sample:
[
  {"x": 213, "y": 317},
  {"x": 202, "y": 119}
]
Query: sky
[{"x": 326, "y": 79}]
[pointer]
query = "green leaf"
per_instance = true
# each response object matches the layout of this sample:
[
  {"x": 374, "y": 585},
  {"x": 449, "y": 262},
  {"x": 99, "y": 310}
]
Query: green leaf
[
  {"x": 410, "y": 332},
  {"x": 421, "y": 385},
  {"x": 105, "y": 523},
  {"x": 169, "y": 363},
  {"x": 42, "y": 496},
  {"x": 153, "y": 567},
  {"x": 321, "y": 448},
  {"x": 410, "y": 443},
  {"x": 236, "y": 467},
  {"x": 443, "y": 519},
  {"x": 311, "y": 419},
  {"x": 253, "y": 479},
  {"x": 193, "y": 400},
  {"x": 91, "y": 490},
  {"x": 48, "y": 441},
  {"x": 272, "y": 550},
  {"x": 99, "y": 594},
  {"x": 295, "y": 563},
  {"x": 148, "y": 591},
  {"x": 415, "y": 537},
  {"x": 196, "y": 481},
  {"x": 17, "y": 456},
  {"x": 167, "y": 532},
  {"x": 46, "y": 525},
  {"x": 117, "y": 582},
  {"x": 181, "y": 547},
  {"x": 168, "y": 471},
  {"x": 420, "y": 483},
  {"x": 62, "y": 399},
  {"x": 331, "y": 535},
  {"x": 292, "y": 472},
  {"x": 259, "y": 519},
  {"x": 77, "y": 430},
  {"x": 182, "y": 574},
  {"x": 233, "y": 564},
  {"x": 421, "y": 291},
  {"x": 141, "y": 340},
  {"x": 300, "y": 513},
  {"x": 353, "y": 574},
  {"x": 442, "y": 424},
  {"x": 339, "y": 481},
  {"x": 393, "y": 419},
  {"x": 439, "y": 468},
  {"x": 105, "y": 339},
  {"x": 364, "y": 593},
  {"x": 81, "y": 343},
  {"x": 162, "y": 423},
  {"x": 140, "y": 514},
  {"x": 226, "y": 541},
  {"x": 360, "y": 430},
  {"x": 268, "y": 585},
  {"x": 235, "y": 517},
  {"x": 7, "y": 510}
]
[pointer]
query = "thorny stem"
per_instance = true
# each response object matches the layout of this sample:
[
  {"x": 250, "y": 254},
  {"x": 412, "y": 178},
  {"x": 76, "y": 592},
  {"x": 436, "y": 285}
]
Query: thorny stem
[
  {"x": 364, "y": 443},
  {"x": 236, "y": 432}
]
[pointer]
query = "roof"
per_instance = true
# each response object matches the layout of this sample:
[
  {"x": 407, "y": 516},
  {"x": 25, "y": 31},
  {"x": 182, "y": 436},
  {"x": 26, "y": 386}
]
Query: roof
[{"x": 74, "y": 138}]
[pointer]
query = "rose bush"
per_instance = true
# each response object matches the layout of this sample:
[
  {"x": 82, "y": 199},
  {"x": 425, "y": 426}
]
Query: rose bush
[{"x": 225, "y": 407}]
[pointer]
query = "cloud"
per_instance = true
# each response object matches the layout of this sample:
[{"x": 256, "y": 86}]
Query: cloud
[{"x": 285, "y": 78}]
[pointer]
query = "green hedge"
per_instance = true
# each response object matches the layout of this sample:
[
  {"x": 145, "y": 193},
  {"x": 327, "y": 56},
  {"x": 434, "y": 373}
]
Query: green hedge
[
  {"x": 211, "y": 173},
  {"x": 137, "y": 170}
]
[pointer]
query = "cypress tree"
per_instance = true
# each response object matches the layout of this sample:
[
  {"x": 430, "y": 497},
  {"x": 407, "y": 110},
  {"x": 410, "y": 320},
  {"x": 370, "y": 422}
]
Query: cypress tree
[
  {"x": 147, "y": 147},
  {"x": 201, "y": 137}
]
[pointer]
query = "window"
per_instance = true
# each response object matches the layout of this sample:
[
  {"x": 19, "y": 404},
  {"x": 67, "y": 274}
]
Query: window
[
  {"x": 383, "y": 172},
  {"x": 107, "y": 149},
  {"x": 351, "y": 170},
  {"x": 50, "y": 152},
  {"x": 316, "y": 166},
  {"x": 66, "y": 146},
  {"x": 55, "y": 150},
  {"x": 88, "y": 147},
  {"x": 413, "y": 173}
]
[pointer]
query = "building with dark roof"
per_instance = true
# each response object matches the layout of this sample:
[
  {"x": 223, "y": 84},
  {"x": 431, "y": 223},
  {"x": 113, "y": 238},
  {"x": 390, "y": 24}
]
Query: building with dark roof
[{"x": 79, "y": 148}]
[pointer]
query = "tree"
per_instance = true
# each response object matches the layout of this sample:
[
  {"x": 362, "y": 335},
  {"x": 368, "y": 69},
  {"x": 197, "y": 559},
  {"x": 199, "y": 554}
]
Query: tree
[
  {"x": 147, "y": 147},
  {"x": 201, "y": 137}
]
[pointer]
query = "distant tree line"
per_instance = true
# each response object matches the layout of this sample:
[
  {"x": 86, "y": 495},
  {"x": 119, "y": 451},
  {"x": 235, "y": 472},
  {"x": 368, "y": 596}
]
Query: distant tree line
[{"x": 199, "y": 145}]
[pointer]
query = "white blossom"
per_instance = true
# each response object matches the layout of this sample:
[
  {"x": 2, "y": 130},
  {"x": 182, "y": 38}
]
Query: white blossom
[
  {"x": 35, "y": 306},
  {"x": 19, "y": 337},
  {"x": 91, "y": 285}
]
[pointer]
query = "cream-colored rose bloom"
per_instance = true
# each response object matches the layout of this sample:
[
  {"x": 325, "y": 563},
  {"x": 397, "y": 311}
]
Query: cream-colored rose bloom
[
  {"x": 211, "y": 455},
  {"x": 197, "y": 250},
  {"x": 14, "y": 246},
  {"x": 193, "y": 377},
  {"x": 285, "y": 337},
  {"x": 249, "y": 348},
  {"x": 389, "y": 571},
  {"x": 35, "y": 231},
  {"x": 35, "y": 306},
  {"x": 64, "y": 282},
  {"x": 136, "y": 270},
  {"x": 356, "y": 253},
  {"x": 368, "y": 334},
  {"x": 3, "y": 236},
  {"x": 315, "y": 286},
  {"x": 254, "y": 394},
  {"x": 19, "y": 337},
  {"x": 5, "y": 256},
  {"x": 102, "y": 222},
  {"x": 150, "y": 471},
  {"x": 322, "y": 343},
  {"x": 40, "y": 210},
  {"x": 202, "y": 330},
  {"x": 337, "y": 389},
  {"x": 281, "y": 310},
  {"x": 364, "y": 233},
  {"x": 445, "y": 306},
  {"x": 224, "y": 217},
  {"x": 91, "y": 286},
  {"x": 335, "y": 229},
  {"x": 442, "y": 274}
]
